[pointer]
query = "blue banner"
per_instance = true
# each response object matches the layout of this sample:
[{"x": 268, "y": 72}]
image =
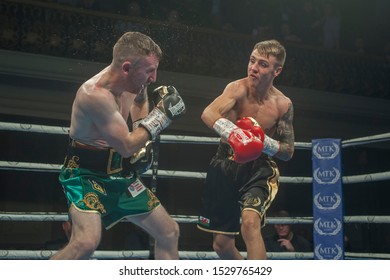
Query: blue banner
[{"x": 328, "y": 214}]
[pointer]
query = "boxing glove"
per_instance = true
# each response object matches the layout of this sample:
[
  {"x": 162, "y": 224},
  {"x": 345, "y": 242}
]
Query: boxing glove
[
  {"x": 168, "y": 106},
  {"x": 141, "y": 161},
  {"x": 245, "y": 145},
  {"x": 252, "y": 125},
  {"x": 271, "y": 146}
]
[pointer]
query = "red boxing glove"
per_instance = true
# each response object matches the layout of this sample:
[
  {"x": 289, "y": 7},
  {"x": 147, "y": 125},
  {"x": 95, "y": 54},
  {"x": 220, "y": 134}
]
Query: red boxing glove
[
  {"x": 252, "y": 125},
  {"x": 271, "y": 146},
  {"x": 245, "y": 145}
]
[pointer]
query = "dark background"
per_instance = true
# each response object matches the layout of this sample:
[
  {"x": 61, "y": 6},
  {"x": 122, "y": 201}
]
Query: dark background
[{"x": 367, "y": 74}]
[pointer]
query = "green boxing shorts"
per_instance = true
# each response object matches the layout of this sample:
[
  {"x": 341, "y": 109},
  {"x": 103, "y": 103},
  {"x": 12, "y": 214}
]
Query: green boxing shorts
[{"x": 113, "y": 196}]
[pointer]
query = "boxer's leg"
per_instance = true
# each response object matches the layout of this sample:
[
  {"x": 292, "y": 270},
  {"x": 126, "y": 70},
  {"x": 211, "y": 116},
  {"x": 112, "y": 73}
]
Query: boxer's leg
[
  {"x": 163, "y": 229},
  {"x": 85, "y": 236}
]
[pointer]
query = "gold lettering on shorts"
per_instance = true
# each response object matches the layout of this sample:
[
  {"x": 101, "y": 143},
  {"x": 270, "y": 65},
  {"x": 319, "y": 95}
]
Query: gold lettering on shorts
[
  {"x": 153, "y": 200},
  {"x": 252, "y": 201},
  {"x": 72, "y": 163},
  {"x": 96, "y": 186},
  {"x": 92, "y": 201}
]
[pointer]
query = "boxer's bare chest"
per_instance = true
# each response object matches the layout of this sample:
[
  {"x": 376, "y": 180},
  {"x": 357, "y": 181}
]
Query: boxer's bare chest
[{"x": 266, "y": 113}]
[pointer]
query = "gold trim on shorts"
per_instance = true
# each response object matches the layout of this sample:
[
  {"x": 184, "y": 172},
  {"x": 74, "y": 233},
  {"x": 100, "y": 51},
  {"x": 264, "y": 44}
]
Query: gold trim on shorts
[{"x": 218, "y": 231}]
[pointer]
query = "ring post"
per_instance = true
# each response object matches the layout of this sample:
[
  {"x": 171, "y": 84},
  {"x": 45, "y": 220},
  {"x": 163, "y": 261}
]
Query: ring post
[{"x": 328, "y": 227}]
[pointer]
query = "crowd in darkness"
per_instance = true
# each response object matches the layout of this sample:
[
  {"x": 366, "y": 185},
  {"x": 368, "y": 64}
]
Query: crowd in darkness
[
  {"x": 213, "y": 37},
  {"x": 351, "y": 25}
]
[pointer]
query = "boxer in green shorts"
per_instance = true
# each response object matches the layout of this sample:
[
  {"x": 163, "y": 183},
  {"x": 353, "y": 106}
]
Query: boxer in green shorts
[
  {"x": 100, "y": 173},
  {"x": 114, "y": 196}
]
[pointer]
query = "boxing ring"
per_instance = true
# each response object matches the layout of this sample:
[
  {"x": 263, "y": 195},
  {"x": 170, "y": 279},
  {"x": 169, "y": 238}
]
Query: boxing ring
[{"x": 186, "y": 219}]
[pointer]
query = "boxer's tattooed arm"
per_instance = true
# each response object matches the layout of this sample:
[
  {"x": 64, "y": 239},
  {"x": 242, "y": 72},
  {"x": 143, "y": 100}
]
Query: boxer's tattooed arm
[{"x": 285, "y": 135}]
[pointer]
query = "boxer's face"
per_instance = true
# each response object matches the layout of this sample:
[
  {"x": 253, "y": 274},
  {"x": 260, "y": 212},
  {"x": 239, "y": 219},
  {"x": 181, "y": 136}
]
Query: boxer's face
[
  {"x": 140, "y": 73},
  {"x": 262, "y": 68}
]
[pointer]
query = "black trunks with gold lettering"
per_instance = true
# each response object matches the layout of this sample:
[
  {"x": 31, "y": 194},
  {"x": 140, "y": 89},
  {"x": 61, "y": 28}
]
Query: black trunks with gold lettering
[{"x": 233, "y": 187}]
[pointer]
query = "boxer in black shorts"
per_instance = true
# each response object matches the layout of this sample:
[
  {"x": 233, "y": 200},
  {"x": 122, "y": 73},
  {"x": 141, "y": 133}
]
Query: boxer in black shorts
[
  {"x": 232, "y": 188},
  {"x": 255, "y": 122}
]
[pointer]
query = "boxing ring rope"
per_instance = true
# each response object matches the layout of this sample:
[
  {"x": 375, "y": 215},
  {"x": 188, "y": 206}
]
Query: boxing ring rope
[
  {"x": 141, "y": 254},
  {"x": 180, "y": 138},
  {"x": 60, "y": 217},
  {"x": 200, "y": 255},
  {"x": 163, "y": 138},
  {"x": 44, "y": 217},
  {"x": 45, "y": 167}
]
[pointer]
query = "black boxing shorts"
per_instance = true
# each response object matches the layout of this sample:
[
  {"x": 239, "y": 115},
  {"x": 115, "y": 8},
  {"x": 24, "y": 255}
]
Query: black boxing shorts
[{"x": 231, "y": 188}]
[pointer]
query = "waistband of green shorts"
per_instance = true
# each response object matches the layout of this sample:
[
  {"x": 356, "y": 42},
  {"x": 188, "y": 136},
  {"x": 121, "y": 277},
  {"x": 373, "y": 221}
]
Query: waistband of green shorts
[{"x": 95, "y": 159}]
